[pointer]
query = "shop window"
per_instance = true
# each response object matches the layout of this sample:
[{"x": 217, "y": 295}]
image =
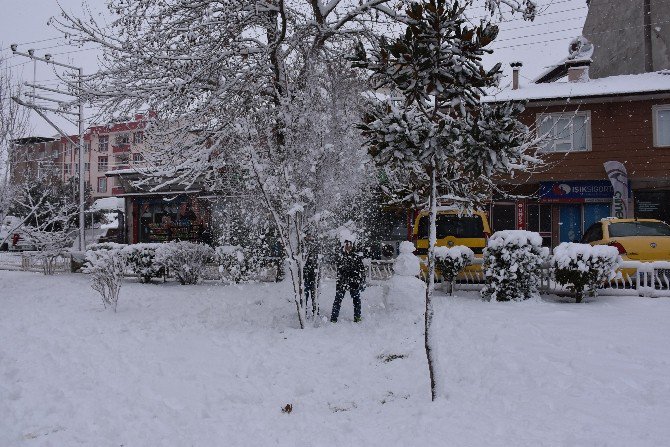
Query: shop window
[
  {"x": 103, "y": 143},
  {"x": 661, "y": 125},
  {"x": 565, "y": 132},
  {"x": 503, "y": 217},
  {"x": 653, "y": 204},
  {"x": 539, "y": 221},
  {"x": 102, "y": 184}
]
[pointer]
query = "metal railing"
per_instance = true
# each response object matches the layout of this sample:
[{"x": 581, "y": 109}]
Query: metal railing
[
  {"x": 32, "y": 261},
  {"x": 650, "y": 279}
]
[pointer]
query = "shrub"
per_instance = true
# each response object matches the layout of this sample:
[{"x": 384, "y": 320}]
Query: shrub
[
  {"x": 512, "y": 265},
  {"x": 451, "y": 260},
  {"x": 186, "y": 260},
  {"x": 106, "y": 266},
  {"x": 582, "y": 267},
  {"x": 141, "y": 260},
  {"x": 231, "y": 260}
]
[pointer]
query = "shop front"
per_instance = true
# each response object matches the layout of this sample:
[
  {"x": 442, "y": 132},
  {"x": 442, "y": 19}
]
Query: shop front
[
  {"x": 571, "y": 207},
  {"x": 160, "y": 218}
]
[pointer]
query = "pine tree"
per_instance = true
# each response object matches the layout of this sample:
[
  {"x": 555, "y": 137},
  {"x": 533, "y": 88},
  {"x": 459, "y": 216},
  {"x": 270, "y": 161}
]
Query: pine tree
[{"x": 441, "y": 141}]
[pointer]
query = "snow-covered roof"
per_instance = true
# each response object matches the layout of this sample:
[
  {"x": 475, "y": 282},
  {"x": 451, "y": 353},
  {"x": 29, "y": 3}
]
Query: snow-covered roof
[
  {"x": 109, "y": 203},
  {"x": 609, "y": 86}
]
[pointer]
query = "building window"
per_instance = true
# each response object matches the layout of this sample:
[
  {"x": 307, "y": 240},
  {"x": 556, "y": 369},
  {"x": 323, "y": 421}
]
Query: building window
[
  {"x": 54, "y": 153},
  {"x": 138, "y": 137},
  {"x": 565, "y": 132},
  {"x": 102, "y": 184},
  {"x": 661, "y": 125},
  {"x": 123, "y": 138},
  {"x": 87, "y": 167},
  {"x": 103, "y": 143},
  {"x": 87, "y": 146},
  {"x": 66, "y": 168},
  {"x": 103, "y": 163},
  {"x": 138, "y": 158}
]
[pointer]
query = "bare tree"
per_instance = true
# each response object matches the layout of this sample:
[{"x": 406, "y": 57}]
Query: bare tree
[
  {"x": 14, "y": 123},
  {"x": 238, "y": 87}
]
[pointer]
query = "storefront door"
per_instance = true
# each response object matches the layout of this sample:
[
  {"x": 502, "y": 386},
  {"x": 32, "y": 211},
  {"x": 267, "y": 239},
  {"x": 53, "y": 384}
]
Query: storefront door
[
  {"x": 570, "y": 223},
  {"x": 594, "y": 212}
]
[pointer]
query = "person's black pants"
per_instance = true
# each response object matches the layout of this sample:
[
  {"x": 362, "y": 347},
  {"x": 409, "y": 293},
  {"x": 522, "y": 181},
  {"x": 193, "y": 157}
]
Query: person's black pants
[{"x": 355, "y": 293}]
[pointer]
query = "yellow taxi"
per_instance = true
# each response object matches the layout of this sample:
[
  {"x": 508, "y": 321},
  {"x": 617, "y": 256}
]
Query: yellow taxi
[
  {"x": 636, "y": 239},
  {"x": 453, "y": 229}
]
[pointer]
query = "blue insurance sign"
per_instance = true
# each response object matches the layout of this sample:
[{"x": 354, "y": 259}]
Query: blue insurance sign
[{"x": 576, "y": 191}]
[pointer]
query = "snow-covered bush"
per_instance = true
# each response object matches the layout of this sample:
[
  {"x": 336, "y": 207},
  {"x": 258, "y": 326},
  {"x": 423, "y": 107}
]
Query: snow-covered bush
[
  {"x": 186, "y": 260},
  {"x": 232, "y": 263},
  {"x": 513, "y": 265},
  {"x": 451, "y": 260},
  {"x": 584, "y": 268},
  {"x": 141, "y": 260},
  {"x": 106, "y": 267}
]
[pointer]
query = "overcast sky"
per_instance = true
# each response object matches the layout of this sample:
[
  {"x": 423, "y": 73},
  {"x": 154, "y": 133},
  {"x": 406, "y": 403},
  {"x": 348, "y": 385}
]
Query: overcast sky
[{"x": 537, "y": 44}]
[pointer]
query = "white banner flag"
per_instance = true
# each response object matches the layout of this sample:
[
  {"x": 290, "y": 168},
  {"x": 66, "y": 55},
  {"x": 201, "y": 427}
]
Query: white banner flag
[{"x": 618, "y": 176}]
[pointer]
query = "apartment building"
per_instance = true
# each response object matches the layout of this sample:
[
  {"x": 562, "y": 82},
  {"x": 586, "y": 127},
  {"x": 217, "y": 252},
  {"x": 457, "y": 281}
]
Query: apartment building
[
  {"x": 108, "y": 147},
  {"x": 35, "y": 158}
]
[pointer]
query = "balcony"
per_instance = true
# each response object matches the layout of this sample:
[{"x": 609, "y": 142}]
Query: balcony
[{"x": 120, "y": 148}]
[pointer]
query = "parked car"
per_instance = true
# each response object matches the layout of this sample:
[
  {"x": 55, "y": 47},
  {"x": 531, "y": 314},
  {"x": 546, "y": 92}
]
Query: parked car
[
  {"x": 453, "y": 229},
  {"x": 636, "y": 239},
  {"x": 15, "y": 239}
]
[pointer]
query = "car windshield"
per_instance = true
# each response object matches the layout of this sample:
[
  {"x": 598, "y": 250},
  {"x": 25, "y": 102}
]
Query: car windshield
[
  {"x": 623, "y": 229},
  {"x": 452, "y": 225}
]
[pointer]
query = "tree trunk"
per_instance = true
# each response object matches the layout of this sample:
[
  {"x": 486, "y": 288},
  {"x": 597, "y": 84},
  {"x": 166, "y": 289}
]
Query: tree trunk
[
  {"x": 294, "y": 249},
  {"x": 431, "y": 285}
]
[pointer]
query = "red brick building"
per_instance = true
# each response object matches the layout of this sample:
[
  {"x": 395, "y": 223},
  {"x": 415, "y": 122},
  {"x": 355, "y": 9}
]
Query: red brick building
[{"x": 588, "y": 122}]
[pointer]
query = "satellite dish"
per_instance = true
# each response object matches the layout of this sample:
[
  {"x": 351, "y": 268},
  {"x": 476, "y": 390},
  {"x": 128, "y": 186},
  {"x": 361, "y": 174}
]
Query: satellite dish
[{"x": 580, "y": 48}]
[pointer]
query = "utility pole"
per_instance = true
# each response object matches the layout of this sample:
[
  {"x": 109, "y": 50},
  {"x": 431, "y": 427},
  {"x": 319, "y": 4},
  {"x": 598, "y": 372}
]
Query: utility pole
[{"x": 61, "y": 110}]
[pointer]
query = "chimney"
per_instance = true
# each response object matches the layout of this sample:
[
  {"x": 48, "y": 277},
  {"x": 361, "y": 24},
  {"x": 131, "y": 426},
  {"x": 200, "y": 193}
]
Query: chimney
[
  {"x": 578, "y": 70},
  {"x": 516, "y": 68}
]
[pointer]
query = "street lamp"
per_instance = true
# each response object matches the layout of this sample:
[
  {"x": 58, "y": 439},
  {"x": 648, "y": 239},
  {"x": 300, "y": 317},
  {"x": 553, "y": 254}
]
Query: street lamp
[{"x": 40, "y": 110}]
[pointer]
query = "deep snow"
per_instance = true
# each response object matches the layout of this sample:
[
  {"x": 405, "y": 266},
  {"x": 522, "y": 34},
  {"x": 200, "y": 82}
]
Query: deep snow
[{"x": 212, "y": 365}]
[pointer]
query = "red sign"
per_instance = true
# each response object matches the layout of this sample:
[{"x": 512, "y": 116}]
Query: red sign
[{"x": 520, "y": 215}]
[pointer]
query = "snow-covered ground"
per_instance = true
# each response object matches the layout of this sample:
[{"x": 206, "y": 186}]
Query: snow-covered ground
[{"x": 213, "y": 365}]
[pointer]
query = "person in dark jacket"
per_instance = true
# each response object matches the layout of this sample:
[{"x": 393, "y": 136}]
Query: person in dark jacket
[{"x": 350, "y": 276}]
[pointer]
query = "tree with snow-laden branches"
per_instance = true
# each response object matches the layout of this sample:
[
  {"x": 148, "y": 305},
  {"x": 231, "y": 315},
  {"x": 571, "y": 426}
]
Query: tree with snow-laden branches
[
  {"x": 256, "y": 87},
  {"x": 13, "y": 125},
  {"x": 47, "y": 214},
  {"x": 436, "y": 138}
]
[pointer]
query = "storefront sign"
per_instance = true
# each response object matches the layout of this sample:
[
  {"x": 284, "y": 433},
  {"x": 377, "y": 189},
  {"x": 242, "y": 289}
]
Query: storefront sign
[
  {"x": 520, "y": 215},
  {"x": 576, "y": 191}
]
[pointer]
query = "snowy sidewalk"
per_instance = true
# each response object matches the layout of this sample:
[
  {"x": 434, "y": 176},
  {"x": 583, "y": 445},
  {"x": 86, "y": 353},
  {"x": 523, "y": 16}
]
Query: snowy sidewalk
[{"x": 212, "y": 365}]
